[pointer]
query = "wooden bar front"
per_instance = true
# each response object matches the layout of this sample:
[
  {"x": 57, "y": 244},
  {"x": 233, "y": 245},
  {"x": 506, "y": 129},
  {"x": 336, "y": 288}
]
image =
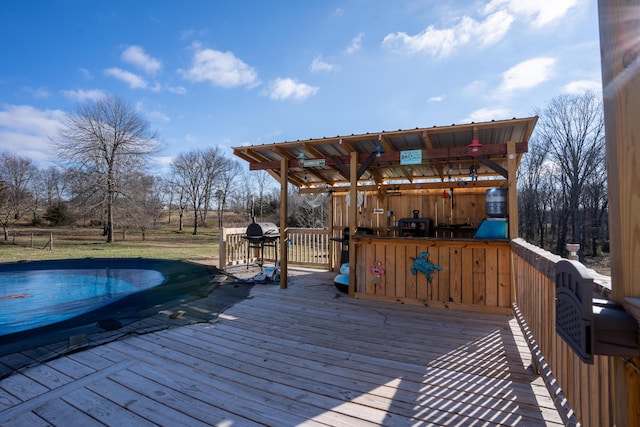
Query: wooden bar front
[{"x": 474, "y": 274}]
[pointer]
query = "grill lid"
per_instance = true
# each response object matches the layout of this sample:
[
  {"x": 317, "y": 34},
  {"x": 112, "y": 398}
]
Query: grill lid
[{"x": 262, "y": 230}]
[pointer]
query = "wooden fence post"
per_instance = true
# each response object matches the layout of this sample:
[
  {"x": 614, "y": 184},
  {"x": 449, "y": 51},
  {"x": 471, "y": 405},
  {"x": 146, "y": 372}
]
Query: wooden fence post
[{"x": 620, "y": 58}]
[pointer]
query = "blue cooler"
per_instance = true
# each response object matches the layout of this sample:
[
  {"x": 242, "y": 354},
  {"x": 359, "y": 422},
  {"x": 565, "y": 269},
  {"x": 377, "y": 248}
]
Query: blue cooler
[{"x": 492, "y": 228}]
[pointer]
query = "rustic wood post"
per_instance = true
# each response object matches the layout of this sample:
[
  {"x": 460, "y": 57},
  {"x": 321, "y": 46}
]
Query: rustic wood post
[
  {"x": 284, "y": 228},
  {"x": 353, "y": 221},
  {"x": 222, "y": 248},
  {"x": 620, "y": 48},
  {"x": 332, "y": 251},
  {"x": 512, "y": 183}
]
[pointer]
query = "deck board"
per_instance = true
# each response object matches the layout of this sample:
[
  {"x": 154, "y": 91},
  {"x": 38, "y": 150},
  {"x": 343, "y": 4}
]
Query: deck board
[{"x": 307, "y": 355}]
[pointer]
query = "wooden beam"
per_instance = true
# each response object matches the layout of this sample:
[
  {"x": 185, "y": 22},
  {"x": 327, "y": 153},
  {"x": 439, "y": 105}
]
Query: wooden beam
[
  {"x": 429, "y": 145},
  {"x": 284, "y": 228},
  {"x": 365, "y": 165},
  {"x": 340, "y": 166},
  {"x": 481, "y": 184},
  {"x": 385, "y": 144},
  {"x": 619, "y": 23},
  {"x": 512, "y": 165},
  {"x": 332, "y": 251},
  {"x": 491, "y": 150},
  {"x": 353, "y": 223},
  {"x": 494, "y": 166},
  {"x": 349, "y": 141}
]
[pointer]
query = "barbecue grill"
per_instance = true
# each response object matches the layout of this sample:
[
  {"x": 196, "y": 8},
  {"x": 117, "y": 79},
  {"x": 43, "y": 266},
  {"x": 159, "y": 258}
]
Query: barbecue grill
[{"x": 261, "y": 235}]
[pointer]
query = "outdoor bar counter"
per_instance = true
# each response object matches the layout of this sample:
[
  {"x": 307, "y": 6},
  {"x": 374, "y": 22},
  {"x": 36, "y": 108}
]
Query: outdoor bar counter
[{"x": 465, "y": 273}]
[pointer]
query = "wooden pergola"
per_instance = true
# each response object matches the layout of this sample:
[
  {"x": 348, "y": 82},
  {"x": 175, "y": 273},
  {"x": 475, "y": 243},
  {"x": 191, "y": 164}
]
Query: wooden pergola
[
  {"x": 398, "y": 161},
  {"x": 445, "y": 153}
]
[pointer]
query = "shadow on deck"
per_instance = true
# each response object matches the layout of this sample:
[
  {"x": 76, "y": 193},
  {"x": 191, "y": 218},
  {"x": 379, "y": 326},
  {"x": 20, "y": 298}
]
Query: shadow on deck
[{"x": 305, "y": 355}]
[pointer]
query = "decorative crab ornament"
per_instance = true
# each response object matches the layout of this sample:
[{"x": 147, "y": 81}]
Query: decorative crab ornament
[{"x": 424, "y": 266}]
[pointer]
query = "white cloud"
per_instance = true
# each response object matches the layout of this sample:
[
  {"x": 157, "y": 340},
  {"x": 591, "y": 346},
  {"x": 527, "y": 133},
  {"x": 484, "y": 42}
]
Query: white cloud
[
  {"x": 138, "y": 57},
  {"x": 221, "y": 69},
  {"x": 444, "y": 42},
  {"x": 158, "y": 116},
  {"x": 487, "y": 114},
  {"x": 192, "y": 33},
  {"x": 318, "y": 64},
  {"x": 542, "y": 12},
  {"x": 281, "y": 89},
  {"x": 526, "y": 75},
  {"x": 582, "y": 86},
  {"x": 84, "y": 95},
  {"x": 133, "y": 80},
  {"x": 86, "y": 74},
  {"x": 435, "y": 99},
  {"x": 40, "y": 93},
  {"x": 178, "y": 90},
  {"x": 164, "y": 161},
  {"x": 25, "y": 130},
  {"x": 356, "y": 44},
  {"x": 27, "y": 118}
]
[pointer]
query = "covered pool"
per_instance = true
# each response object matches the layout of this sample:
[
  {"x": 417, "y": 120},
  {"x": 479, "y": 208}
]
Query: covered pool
[{"x": 46, "y": 301}]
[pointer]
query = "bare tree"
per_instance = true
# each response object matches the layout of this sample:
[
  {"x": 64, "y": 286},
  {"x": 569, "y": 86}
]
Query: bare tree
[
  {"x": 54, "y": 183},
  {"x": 595, "y": 205},
  {"x": 190, "y": 177},
  {"x": 144, "y": 203},
  {"x": 308, "y": 210},
  {"x": 17, "y": 175},
  {"x": 227, "y": 177},
  {"x": 106, "y": 139},
  {"x": 213, "y": 165},
  {"x": 262, "y": 180},
  {"x": 572, "y": 126},
  {"x": 533, "y": 198}
]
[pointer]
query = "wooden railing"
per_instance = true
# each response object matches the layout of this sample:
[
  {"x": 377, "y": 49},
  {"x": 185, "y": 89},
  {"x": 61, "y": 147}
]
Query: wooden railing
[
  {"x": 305, "y": 246},
  {"x": 587, "y": 388}
]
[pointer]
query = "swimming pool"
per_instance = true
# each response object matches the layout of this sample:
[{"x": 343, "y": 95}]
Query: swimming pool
[{"x": 47, "y": 300}]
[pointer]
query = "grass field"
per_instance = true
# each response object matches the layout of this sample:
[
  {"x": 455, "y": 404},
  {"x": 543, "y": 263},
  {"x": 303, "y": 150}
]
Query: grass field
[{"x": 32, "y": 243}]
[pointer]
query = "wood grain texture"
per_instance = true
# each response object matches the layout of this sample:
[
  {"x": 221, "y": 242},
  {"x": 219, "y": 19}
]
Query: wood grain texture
[
  {"x": 474, "y": 274},
  {"x": 304, "y": 355},
  {"x": 619, "y": 32},
  {"x": 587, "y": 388}
]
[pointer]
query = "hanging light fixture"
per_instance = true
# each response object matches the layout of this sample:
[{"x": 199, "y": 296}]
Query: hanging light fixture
[
  {"x": 475, "y": 146},
  {"x": 378, "y": 150},
  {"x": 301, "y": 158}
]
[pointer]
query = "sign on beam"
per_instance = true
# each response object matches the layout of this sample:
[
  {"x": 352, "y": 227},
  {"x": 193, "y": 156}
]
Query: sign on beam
[
  {"x": 411, "y": 157},
  {"x": 310, "y": 163}
]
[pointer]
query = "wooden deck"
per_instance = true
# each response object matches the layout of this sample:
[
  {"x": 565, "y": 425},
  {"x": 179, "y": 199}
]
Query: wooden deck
[{"x": 307, "y": 355}]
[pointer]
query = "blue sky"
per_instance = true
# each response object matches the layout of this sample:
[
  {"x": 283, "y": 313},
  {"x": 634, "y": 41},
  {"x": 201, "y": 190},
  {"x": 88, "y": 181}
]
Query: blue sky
[{"x": 230, "y": 73}]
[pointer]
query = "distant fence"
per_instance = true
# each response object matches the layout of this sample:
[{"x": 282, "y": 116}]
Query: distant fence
[
  {"x": 586, "y": 387},
  {"x": 33, "y": 240},
  {"x": 305, "y": 247}
]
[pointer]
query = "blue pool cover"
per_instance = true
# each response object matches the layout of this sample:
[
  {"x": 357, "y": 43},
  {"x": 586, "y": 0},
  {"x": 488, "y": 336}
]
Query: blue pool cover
[{"x": 40, "y": 298}]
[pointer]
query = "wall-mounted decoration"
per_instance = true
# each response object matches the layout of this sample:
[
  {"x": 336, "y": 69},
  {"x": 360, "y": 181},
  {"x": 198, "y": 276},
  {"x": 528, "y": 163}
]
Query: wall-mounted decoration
[
  {"x": 377, "y": 271},
  {"x": 424, "y": 266},
  {"x": 360, "y": 198}
]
